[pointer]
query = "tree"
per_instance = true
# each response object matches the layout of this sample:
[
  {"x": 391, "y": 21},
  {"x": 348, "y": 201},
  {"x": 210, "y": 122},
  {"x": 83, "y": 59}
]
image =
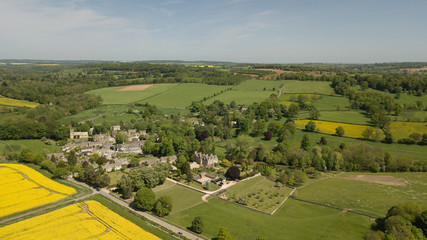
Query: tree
[
  {"x": 121, "y": 138},
  {"x": 72, "y": 158},
  {"x": 368, "y": 133},
  {"x": 323, "y": 141},
  {"x": 233, "y": 172},
  {"x": 299, "y": 177},
  {"x": 197, "y": 225},
  {"x": 268, "y": 135},
  {"x": 339, "y": 131},
  {"x": 305, "y": 142},
  {"x": 311, "y": 126},
  {"x": 145, "y": 199},
  {"x": 104, "y": 180},
  {"x": 163, "y": 206},
  {"x": 101, "y": 161},
  {"x": 60, "y": 173},
  {"x": 124, "y": 185},
  {"x": 258, "y": 128},
  {"x": 224, "y": 234}
]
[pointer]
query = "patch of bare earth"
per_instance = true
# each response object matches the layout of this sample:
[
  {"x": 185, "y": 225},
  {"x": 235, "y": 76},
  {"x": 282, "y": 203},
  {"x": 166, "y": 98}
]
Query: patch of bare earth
[
  {"x": 141, "y": 87},
  {"x": 135, "y": 88},
  {"x": 386, "y": 180},
  {"x": 415, "y": 69}
]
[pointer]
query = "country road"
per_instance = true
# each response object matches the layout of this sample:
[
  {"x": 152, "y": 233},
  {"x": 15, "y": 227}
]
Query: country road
[{"x": 152, "y": 218}]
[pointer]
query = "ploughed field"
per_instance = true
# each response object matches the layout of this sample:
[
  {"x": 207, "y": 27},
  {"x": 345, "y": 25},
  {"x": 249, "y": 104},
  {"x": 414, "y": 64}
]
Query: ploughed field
[
  {"x": 24, "y": 188},
  {"x": 85, "y": 220}
]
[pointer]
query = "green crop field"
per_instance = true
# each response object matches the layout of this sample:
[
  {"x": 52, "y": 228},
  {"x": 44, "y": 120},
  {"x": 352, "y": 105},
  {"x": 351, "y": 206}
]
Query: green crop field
[
  {"x": 112, "y": 96},
  {"x": 36, "y": 146},
  {"x": 241, "y": 97},
  {"x": 259, "y": 193},
  {"x": 309, "y": 87},
  {"x": 368, "y": 197},
  {"x": 182, "y": 197},
  {"x": 259, "y": 85},
  {"x": 181, "y": 96},
  {"x": 294, "y": 220}
]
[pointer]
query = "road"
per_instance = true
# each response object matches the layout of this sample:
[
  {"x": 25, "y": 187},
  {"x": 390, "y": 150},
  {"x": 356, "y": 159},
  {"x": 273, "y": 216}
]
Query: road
[{"x": 152, "y": 218}]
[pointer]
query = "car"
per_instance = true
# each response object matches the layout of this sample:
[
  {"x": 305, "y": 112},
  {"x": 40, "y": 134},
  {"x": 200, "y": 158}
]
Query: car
[{"x": 180, "y": 233}]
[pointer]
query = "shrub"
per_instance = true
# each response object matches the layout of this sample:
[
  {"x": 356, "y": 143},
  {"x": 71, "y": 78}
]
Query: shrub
[{"x": 339, "y": 131}]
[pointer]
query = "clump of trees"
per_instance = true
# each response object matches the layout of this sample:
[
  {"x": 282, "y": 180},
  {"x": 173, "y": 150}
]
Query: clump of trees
[
  {"x": 145, "y": 199},
  {"x": 403, "y": 221}
]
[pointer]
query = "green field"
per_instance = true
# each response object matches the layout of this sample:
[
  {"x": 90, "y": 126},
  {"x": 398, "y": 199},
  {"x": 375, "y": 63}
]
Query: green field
[
  {"x": 354, "y": 117},
  {"x": 260, "y": 193},
  {"x": 309, "y": 87},
  {"x": 181, "y": 96},
  {"x": 104, "y": 113},
  {"x": 241, "y": 97},
  {"x": 367, "y": 197},
  {"x": 294, "y": 220},
  {"x": 36, "y": 146},
  {"x": 112, "y": 96},
  {"x": 259, "y": 85},
  {"x": 182, "y": 197}
]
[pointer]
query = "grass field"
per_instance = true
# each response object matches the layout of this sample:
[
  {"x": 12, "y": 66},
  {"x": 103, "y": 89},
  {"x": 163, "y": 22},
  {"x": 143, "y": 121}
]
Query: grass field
[
  {"x": 182, "y": 197},
  {"x": 414, "y": 116},
  {"x": 294, "y": 220},
  {"x": 367, "y": 197},
  {"x": 112, "y": 96},
  {"x": 36, "y": 146},
  {"x": 259, "y": 85},
  {"x": 24, "y": 188},
  {"x": 309, "y": 87},
  {"x": 260, "y": 193},
  {"x": 352, "y": 117},
  {"x": 17, "y": 103},
  {"x": 181, "y": 96},
  {"x": 84, "y": 220}
]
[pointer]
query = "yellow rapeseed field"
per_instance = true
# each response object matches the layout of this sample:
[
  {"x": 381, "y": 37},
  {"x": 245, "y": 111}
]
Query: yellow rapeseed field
[
  {"x": 24, "y": 188},
  {"x": 86, "y": 220},
  {"x": 398, "y": 129},
  {"x": 17, "y": 103}
]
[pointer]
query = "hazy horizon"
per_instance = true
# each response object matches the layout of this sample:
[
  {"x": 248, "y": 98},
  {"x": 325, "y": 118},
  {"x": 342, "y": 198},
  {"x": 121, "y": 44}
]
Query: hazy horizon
[{"x": 243, "y": 31}]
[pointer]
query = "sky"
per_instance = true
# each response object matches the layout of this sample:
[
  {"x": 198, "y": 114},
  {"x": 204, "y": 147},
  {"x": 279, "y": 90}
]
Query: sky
[{"x": 268, "y": 31}]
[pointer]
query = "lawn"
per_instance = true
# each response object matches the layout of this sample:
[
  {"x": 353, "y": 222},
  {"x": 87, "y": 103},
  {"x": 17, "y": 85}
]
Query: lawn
[
  {"x": 181, "y": 96},
  {"x": 367, "y": 197},
  {"x": 294, "y": 220},
  {"x": 309, "y": 87},
  {"x": 259, "y": 193},
  {"x": 182, "y": 197},
  {"x": 111, "y": 95},
  {"x": 36, "y": 146}
]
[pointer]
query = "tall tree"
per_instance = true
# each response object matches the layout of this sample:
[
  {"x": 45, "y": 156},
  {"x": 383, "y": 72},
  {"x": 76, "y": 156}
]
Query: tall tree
[{"x": 145, "y": 199}]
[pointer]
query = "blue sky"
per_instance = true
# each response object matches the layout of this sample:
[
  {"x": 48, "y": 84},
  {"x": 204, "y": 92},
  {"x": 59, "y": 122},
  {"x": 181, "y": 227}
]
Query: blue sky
[{"x": 270, "y": 31}]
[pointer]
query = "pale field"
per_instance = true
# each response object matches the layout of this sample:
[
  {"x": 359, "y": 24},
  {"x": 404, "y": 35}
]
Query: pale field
[
  {"x": 24, "y": 188},
  {"x": 85, "y": 220}
]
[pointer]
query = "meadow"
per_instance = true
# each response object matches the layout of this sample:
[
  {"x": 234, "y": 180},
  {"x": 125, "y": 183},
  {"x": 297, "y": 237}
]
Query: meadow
[
  {"x": 294, "y": 220},
  {"x": 88, "y": 219},
  {"x": 111, "y": 95},
  {"x": 182, "y": 197},
  {"x": 17, "y": 103},
  {"x": 24, "y": 188},
  {"x": 368, "y": 196},
  {"x": 259, "y": 193},
  {"x": 241, "y": 97}
]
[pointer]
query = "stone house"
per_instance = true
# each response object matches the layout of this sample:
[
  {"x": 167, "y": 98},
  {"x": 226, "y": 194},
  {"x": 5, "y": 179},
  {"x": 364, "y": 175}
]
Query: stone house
[
  {"x": 208, "y": 160},
  {"x": 77, "y": 135}
]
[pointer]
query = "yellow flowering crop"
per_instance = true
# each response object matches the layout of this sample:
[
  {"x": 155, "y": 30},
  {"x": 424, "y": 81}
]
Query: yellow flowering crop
[
  {"x": 398, "y": 129},
  {"x": 24, "y": 188},
  {"x": 86, "y": 220},
  {"x": 17, "y": 103}
]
